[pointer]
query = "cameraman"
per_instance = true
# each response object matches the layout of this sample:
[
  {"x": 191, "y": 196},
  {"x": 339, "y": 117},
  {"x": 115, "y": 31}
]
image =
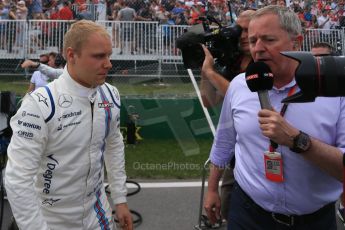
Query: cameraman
[
  {"x": 54, "y": 68},
  {"x": 213, "y": 88},
  {"x": 213, "y": 85}
]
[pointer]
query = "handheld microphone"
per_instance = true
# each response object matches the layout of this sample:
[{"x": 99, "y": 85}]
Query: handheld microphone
[{"x": 259, "y": 78}]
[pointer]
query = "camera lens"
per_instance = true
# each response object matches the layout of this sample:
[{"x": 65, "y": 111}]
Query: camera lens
[
  {"x": 319, "y": 76},
  {"x": 331, "y": 75}
]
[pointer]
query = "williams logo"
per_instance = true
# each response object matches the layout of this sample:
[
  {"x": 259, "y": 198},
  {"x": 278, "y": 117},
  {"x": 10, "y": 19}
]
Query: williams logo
[
  {"x": 105, "y": 105},
  {"x": 29, "y": 125},
  {"x": 65, "y": 101}
]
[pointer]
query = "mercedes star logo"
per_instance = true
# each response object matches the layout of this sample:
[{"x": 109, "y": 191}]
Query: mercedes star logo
[{"x": 65, "y": 101}]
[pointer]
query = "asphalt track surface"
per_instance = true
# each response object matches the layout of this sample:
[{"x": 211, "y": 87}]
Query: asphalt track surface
[
  {"x": 171, "y": 206},
  {"x": 162, "y": 206}
]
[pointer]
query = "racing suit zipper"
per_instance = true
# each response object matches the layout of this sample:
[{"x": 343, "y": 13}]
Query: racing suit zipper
[
  {"x": 91, "y": 115},
  {"x": 88, "y": 173}
]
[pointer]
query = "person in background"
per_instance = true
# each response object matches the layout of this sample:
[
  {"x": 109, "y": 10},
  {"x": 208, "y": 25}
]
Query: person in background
[
  {"x": 12, "y": 27},
  {"x": 4, "y": 15},
  {"x": 84, "y": 13},
  {"x": 39, "y": 79},
  {"x": 116, "y": 26},
  {"x": 52, "y": 69},
  {"x": 324, "y": 23},
  {"x": 197, "y": 11},
  {"x": 322, "y": 49},
  {"x": 213, "y": 89},
  {"x": 64, "y": 136},
  {"x": 213, "y": 85},
  {"x": 64, "y": 13},
  {"x": 127, "y": 14},
  {"x": 35, "y": 10}
]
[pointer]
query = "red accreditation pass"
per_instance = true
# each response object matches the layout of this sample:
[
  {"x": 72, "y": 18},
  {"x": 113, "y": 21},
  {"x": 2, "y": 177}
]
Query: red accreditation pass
[{"x": 273, "y": 166}]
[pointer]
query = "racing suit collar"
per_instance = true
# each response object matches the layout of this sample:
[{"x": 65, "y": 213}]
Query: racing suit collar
[{"x": 77, "y": 89}]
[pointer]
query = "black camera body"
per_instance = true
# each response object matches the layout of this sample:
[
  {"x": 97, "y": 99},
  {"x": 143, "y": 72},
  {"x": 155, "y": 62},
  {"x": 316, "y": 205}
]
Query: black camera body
[
  {"x": 222, "y": 42},
  {"x": 317, "y": 76}
]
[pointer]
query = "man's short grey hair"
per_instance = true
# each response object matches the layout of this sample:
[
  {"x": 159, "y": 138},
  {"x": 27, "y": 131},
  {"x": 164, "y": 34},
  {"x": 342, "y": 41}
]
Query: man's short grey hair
[{"x": 288, "y": 19}]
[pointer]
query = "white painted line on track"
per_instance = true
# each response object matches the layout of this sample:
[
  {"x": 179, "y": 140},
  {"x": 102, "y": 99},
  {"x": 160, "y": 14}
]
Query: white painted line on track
[{"x": 167, "y": 185}]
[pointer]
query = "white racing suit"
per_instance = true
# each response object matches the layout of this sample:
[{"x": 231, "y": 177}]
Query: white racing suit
[{"x": 62, "y": 135}]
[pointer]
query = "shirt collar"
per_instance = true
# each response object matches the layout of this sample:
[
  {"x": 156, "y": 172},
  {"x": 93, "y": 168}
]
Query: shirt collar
[
  {"x": 77, "y": 89},
  {"x": 287, "y": 86}
]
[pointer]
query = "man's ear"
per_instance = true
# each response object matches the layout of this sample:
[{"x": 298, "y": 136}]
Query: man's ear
[{"x": 70, "y": 55}]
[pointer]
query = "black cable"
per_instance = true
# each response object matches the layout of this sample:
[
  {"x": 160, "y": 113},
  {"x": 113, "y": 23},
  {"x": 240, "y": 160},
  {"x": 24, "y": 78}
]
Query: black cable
[
  {"x": 136, "y": 190},
  {"x": 138, "y": 218},
  {"x": 128, "y": 182}
]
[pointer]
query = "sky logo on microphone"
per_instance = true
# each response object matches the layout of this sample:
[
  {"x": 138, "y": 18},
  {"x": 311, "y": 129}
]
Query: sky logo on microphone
[
  {"x": 259, "y": 77},
  {"x": 251, "y": 77}
]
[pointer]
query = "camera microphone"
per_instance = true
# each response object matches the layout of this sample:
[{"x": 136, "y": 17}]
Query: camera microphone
[{"x": 259, "y": 78}]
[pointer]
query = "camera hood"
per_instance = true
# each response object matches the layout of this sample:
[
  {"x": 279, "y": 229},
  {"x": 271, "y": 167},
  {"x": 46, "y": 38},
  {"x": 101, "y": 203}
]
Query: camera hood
[
  {"x": 304, "y": 76},
  {"x": 317, "y": 76}
]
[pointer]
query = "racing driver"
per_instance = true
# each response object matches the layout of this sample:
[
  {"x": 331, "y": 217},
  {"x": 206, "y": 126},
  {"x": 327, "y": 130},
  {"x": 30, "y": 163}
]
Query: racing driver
[{"x": 63, "y": 134}]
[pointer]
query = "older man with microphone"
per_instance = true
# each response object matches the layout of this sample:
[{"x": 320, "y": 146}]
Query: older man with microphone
[{"x": 288, "y": 157}]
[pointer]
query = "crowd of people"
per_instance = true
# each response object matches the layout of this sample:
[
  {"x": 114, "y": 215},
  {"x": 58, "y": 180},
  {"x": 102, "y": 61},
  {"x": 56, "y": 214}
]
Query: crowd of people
[
  {"x": 327, "y": 14},
  {"x": 313, "y": 14},
  {"x": 187, "y": 12}
]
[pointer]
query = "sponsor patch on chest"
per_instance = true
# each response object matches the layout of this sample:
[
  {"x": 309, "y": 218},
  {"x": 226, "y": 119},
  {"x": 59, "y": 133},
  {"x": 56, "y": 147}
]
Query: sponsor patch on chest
[{"x": 105, "y": 105}]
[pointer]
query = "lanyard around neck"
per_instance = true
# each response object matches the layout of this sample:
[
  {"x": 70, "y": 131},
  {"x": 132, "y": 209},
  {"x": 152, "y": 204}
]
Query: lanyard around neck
[{"x": 273, "y": 145}]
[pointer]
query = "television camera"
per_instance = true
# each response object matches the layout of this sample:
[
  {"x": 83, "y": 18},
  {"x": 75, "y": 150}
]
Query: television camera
[{"x": 221, "y": 41}]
